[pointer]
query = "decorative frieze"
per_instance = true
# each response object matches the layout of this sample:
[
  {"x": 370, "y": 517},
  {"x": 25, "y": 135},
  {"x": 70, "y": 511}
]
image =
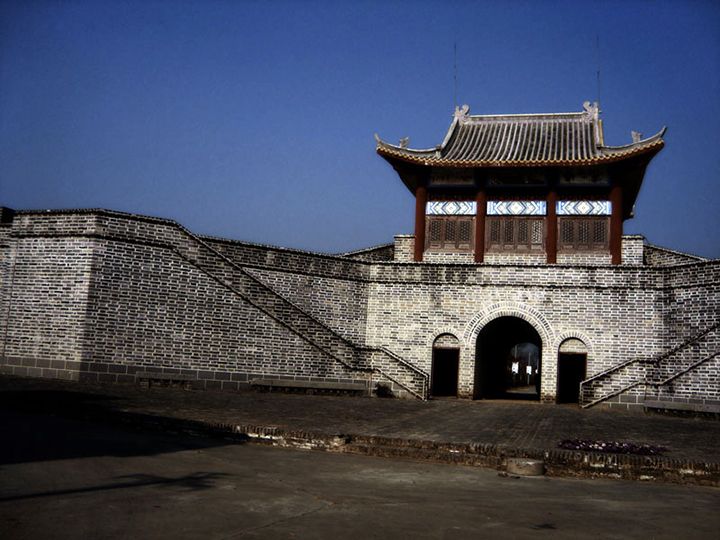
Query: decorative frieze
[
  {"x": 583, "y": 208},
  {"x": 516, "y": 208},
  {"x": 451, "y": 208}
]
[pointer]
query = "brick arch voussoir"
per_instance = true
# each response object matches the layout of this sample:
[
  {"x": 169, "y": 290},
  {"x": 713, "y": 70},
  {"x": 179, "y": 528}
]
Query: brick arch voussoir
[
  {"x": 577, "y": 335},
  {"x": 444, "y": 330},
  {"x": 506, "y": 309}
]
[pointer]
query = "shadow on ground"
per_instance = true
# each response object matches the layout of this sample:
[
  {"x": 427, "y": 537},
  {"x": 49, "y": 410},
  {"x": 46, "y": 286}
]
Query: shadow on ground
[{"x": 43, "y": 425}]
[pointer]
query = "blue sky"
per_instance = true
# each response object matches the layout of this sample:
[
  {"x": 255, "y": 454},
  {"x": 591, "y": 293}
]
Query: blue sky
[{"x": 255, "y": 120}]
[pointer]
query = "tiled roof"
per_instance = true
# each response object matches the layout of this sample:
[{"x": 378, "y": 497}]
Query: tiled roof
[{"x": 522, "y": 140}]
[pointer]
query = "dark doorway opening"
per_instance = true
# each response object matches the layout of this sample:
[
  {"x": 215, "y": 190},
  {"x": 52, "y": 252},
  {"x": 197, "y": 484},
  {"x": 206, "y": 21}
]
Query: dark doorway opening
[
  {"x": 444, "y": 376},
  {"x": 572, "y": 368},
  {"x": 507, "y": 362}
]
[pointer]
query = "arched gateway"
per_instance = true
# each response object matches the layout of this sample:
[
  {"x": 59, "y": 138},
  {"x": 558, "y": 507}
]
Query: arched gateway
[{"x": 508, "y": 360}]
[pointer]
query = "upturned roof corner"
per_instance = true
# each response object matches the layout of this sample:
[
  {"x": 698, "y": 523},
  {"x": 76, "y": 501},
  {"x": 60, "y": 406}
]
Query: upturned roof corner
[{"x": 530, "y": 140}]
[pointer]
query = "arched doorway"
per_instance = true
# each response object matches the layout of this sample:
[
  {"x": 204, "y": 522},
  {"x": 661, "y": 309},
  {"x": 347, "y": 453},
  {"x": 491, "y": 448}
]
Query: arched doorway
[
  {"x": 445, "y": 364},
  {"x": 507, "y": 363},
  {"x": 572, "y": 370}
]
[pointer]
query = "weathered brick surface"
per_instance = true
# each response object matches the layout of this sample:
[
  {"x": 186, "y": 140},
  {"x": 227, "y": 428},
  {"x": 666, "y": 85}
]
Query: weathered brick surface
[
  {"x": 385, "y": 252},
  {"x": 632, "y": 254},
  {"x": 44, "y": 302},
  {"x": 150, "y": 308},
  {"x": 589, "y": 258},
  {"x": 102, "y": 296},
  {"x": 404, "y": 244},
  {"x": 633, "y": 249},
  {"x": 338, "y": 303},
  {"x": 659, "y": 256}
]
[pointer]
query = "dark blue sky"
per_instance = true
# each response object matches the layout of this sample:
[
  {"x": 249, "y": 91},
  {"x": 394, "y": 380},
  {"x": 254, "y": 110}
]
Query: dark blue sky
[{"x": 255, "y": 120}]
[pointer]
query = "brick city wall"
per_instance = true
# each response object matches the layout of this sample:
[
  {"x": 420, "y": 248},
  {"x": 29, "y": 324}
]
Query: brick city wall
[
  {"x": 115, "y": 296},
  {"x": 617, "y": 312},
  {"x": 105, "y": 296},
  {"x": 659, "y": 256}
]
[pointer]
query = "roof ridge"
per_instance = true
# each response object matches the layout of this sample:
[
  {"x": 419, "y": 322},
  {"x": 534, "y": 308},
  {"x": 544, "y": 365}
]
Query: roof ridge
[
  {"x": 533, "y": 139},
  {"x": 579, "y": 114}
]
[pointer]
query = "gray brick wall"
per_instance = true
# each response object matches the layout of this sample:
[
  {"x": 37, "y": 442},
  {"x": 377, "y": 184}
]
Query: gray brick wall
[
  {"x": 337, "y": 303},
  {"x": 44, "y": 304},
  {"x": 633, "y": 249},
  {"x": 386, "y": 252},
  {"x": 404, "y": 246},
  {"x": 659, "y": 256},
  {"x": 103, "y": 296},
  {"x": 151, "y": 309},
  {"x": 632, "y": 254},
  {"x": 409, "y": 307}
]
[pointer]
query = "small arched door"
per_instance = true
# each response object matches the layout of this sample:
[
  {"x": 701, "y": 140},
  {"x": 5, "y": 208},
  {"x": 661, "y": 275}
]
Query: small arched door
[
  {"x": 445, "y": 366},
  {"x": 572, "y": 370}
]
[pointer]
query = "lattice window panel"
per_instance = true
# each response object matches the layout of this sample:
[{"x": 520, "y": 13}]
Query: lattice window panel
[
  {"x": 494, "y": 231},
  {"x": 584, "y": 233},
  {"x": 450, "y": 233},
  {"x": 536, "y": 234},
  {"x": 522, "y": 231},
  {"x": 465, "y": 234},
  {"x": 514, "y": 233},
  {"x": 508, "y": 231},
  {"x": 435, "y": 231},
  {"x": 600, "y": 232}
]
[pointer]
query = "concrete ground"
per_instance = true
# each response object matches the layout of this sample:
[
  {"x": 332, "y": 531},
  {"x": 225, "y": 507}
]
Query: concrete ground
[{"x": 68, "y": 478}]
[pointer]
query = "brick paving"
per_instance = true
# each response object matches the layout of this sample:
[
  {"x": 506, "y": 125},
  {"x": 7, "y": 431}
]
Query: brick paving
[{"x": 525, "y": 425}]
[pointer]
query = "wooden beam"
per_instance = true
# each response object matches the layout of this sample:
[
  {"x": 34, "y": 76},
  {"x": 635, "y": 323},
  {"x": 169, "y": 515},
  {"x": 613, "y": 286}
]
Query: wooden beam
[
  {"x": 616, "y": 224},
  {"x": 420, "y": 203},
  {"x": 481, "y": 202},
  {"x": 552, "y": 228}
]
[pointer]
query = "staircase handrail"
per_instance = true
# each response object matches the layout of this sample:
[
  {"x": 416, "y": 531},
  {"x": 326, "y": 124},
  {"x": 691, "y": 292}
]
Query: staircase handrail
[
  {"x": 612, "y": 394},
  {"x": 647, "y": 382},
  {"x": 654, "y": 360},
  {"x": 265, "y": 311},
  {"x": 349, "y": 343},
  {"x": 683, "y": 371},
  {"x": 424, "y": 376},
  {"x": 264, "y": 285}
]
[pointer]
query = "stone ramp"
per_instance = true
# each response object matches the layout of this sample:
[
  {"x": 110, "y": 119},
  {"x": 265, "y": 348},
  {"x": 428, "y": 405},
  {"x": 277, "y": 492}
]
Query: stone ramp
[{"x": 482, "y": 433}]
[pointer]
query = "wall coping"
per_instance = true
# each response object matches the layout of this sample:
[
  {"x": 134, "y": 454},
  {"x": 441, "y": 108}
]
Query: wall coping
[
  {"x": 681, "y": 253},
  {"x": 165, "y": 221}
]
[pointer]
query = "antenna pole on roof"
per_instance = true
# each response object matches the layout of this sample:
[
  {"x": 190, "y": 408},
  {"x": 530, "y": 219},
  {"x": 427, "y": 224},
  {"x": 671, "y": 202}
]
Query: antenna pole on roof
[
  {"x": 455, "y": 101},
  {"x": 597, "y": 58}
]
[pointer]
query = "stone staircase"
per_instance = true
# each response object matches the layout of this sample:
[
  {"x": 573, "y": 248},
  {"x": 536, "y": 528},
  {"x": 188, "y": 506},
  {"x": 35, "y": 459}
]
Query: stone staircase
[
  {"x": 639, "y": 379},
  {"x": 404, "y": 379}
]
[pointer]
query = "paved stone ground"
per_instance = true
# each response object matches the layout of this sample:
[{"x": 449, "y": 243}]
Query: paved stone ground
[
  {"x": 518, "y": 424},
  {"x": 64, "y": 478}
]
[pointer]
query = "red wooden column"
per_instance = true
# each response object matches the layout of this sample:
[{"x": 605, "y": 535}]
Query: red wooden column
[
  {"x": 552, "y": 227},
  {"x": 481, "y": 203},
  {"x": 616, "y": 224},
  {"x": 420, "y": 203}
]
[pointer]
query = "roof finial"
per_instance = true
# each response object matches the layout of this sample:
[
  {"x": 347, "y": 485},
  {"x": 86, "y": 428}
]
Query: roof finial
[
  {"x": 461, "y": 114},
  {"x": 455, "y": 74},
  {"x": 636, "y": 136},
  {"x": 592, "y": 109},
  {"x": 597, "y": 58},
  {"x": 404, "y": 142}
]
